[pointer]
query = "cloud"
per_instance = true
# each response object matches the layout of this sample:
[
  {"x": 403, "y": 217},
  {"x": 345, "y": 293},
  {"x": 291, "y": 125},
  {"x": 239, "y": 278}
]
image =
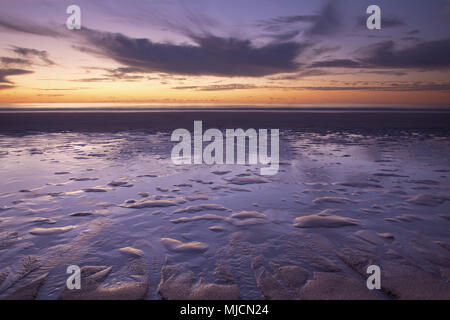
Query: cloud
[
  {"x": 280, "y": 23},
  {"x": 19, "y": 25},
  {"x": 225, "y": 87},
  {"x": 324, "y": 49},
  {"x": 423, "y": 55},
  {"x": 3, "y": 87},
  {"x": 388, "y": 73},
  {"x": 337, "y": 63},
  {"x": 7, "y": 61},
  {"x": 286, "y": 36},
  {"x": 294, "y": 19},
  {"x": 128, "y": 74},
  {"x": 386, "y": 21},
  {"x": 211, "y": 55},
  {"x": 412, "y": 32},
  {"x": 328, "y": 21},
  {"x": 31, "y": 53},
  {"x": 355, "y": 86},
  {"x": 5, "y": 73},
  {"x": 393, "y": 87},
  {"x": 305, "y": 74},
  {"x": 411, "y": 39},
  {"x": 384, "y": 55}
]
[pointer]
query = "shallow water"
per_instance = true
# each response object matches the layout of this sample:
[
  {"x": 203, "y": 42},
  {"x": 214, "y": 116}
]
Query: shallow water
[{"x": 367, "y": 198}]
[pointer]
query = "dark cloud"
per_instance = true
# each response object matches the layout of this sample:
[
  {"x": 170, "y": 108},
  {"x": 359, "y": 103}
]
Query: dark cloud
[
  {"x": 324, "y": 49},
  {"x": 4, "y": 87},
  {"x": 386, "y": 21},
  {"x": 18, "y": 25},
  {"x": 7, "y": 61},
  {"x": 424, "y": 55},
  {"x": 211, "y": 55},
  {"x": 281, "y": 23},
  {"x": 391, "y": 22},
  {"x": 388, "y": 73},
  {"x": 337, "y": 63},
  {"x": 305, "y": 74},
  {"x": 286, "y": 36},
  {"x": 128, "y": 74},
  {"x": 393, "y": 87},
  {"x": 412, "y": 32},
  {"x": 125, "y": 73},
  {"x": 4, "y": 73},
  {"x": 316, "y": 72},
  {"x": 31, "y": 53},
  {"x": 295, "y": 19},
  {"x": 384, "y": 55},
  {"x": 328, "y": 21},
  {"x": 98, "y": 79},
  {"x": 219, "y": 87},
  {"x": 383, "y": 86},
  {"x": 411, "y": 39}
]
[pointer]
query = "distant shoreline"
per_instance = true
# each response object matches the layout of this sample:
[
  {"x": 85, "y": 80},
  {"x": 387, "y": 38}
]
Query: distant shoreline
[{"x": 97, "y": 121}]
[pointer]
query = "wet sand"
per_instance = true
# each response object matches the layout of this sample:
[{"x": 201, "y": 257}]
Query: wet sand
[{"x": 352, "y": 191}]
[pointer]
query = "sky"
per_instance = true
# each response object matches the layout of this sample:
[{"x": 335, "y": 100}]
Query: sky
[{"x": 233, "y": 51}]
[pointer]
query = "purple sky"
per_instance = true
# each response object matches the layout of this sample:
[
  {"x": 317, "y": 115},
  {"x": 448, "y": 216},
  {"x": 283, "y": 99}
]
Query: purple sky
[{"x": 204, "y": 46}]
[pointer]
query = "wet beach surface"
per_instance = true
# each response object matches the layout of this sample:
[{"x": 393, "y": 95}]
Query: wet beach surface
[{"x": 140, "y": 227}]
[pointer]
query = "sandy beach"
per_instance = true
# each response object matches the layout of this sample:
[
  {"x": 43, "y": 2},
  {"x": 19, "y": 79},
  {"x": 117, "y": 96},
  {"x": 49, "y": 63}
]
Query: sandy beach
[{"x": 99, "y": 190}]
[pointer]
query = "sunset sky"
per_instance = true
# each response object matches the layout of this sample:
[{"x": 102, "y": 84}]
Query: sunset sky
[{"x": 217, "y": 51}]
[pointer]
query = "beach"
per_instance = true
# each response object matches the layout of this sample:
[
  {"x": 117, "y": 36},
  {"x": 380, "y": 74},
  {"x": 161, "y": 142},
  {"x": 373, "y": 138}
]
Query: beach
[{"x": 99, "y": 190}]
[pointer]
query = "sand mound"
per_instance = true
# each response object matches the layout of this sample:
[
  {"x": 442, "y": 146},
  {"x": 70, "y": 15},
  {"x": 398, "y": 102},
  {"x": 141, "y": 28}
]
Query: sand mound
[
  {"x": 359, "y": 185},
  {"x": 220, "y": 173},
  {"x": 202, "y": 207},
  {"x": 317, "y": 221},
  {"x": 216, "y": 228},
  {"x": 120, "y": 183},
  {"x": 247, "y": 180},
  {"x": 178, "y": 246},
  {"x": 144, "y": 194},
  {"x": 369, "y": 236},
  {"x": 95, "y": 189},
  {"x": 411, "y": 283},
  {"x": 149, "y": 204},
  {"x": 269, "y": 287},
  {"x": 81, "y": 214},
  {"x": 335, "y": 286},
  {"x": 131, "y": 252},
  {"x": 386, "y": 235},
  {"x": 83, "y": 179},
  {"x": 408, "y": 218},
  {"x": 197, "y": 197},
  {"x": 42, "y": 220},
  {"x": 28, "y": 292},
  {"x": 208, "y": 216},
  {"x": 248, "y": 214},
  {"x": 178, "y": 284},
  {"x": 294, "y": 277},
  {"x": 93, "y": 276},
  {"x": 3, "y": 276},
  {"x": 339, "y": 200},
  {"x": 50, "y": 231},
  {"x": 431, "y": 200}
]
